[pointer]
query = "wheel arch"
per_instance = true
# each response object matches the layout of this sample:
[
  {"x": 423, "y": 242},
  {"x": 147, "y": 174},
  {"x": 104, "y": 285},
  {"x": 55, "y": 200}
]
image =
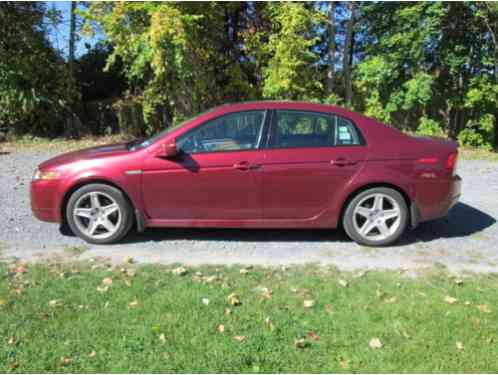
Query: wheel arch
[
  {"x": 362, "y": 188},
  {"x": 76, "y": 186}
]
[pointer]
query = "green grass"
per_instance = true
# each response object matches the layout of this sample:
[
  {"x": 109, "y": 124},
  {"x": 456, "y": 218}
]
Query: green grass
[
  {"x": 28, "y": 143},
  {"x": 170, "y": 329},
  {"x": 477, "y": 154}
]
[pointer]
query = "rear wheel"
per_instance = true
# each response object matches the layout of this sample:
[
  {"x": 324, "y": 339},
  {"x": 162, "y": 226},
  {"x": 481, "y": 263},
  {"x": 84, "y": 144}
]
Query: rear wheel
[
  {"x": 376, "y": 217},
  {"x": 99, "y": 214}
]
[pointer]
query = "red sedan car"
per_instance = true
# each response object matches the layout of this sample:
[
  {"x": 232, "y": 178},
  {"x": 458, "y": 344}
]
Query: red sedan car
[{"x": 254, "y": 165}]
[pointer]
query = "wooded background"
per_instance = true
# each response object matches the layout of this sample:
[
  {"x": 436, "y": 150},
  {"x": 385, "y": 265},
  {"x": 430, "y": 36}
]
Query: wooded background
[{"x": 426, "y": 67}]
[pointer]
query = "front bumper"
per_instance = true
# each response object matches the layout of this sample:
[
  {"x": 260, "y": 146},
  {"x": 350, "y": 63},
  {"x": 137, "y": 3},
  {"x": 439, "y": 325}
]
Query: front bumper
[{"x": 44, "y": 200}]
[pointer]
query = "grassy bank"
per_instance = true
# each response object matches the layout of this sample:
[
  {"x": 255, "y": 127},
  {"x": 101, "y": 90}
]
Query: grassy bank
[
  {"x": 35, "y": 144},
  {"x": 306, "y": 319}
]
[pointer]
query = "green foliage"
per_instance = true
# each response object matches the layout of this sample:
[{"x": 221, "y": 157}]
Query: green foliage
[
  {"x": 429, "y": 127},
  {"x": 414, "y": 64},
  {"x": 288, "y": 74},
  {"x": 478, "y": 135},
  {"x": 32, "y": 84}
]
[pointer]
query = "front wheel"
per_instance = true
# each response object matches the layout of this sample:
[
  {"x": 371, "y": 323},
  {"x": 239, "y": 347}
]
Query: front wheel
[
  {"x": 99, "y": 214},
  {"x": 376, "y": 217}
]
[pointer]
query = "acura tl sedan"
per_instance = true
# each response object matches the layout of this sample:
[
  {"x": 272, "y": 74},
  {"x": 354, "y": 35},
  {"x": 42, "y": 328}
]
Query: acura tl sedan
[{"x": 254, "y": 165}]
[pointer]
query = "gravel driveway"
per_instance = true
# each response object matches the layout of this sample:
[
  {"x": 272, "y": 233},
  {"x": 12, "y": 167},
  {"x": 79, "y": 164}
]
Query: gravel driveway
[{"x": 466, "y": 240}]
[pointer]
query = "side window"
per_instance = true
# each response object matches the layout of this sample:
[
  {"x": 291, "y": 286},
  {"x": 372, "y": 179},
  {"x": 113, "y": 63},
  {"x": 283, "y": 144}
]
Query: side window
[
  {"x": 346, "y": 133},
  {"x": 301, "y": 129},
  {"x": 235, "y": 131}
]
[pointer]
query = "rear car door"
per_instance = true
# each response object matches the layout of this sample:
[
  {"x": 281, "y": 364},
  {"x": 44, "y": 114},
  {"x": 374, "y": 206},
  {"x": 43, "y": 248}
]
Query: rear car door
[
  {"x": 310, "y": 156},
  {"x": 216, "y": 175}
]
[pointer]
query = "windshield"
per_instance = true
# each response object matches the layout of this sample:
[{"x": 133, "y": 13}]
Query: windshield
[{"x": 141, "y": 143}]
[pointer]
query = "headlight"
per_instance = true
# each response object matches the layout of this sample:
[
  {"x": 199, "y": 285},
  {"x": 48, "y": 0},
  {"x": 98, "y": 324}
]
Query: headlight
[{"x": 45, "y": 175}]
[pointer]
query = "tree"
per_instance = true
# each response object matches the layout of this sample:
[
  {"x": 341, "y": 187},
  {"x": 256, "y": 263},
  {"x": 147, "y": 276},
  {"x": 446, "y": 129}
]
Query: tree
[
  {"x": 287, "y": 49},
  {"x": 331, "y": 47},
  {"x": 347, "y": 57},
  {"x": 31, "y": 90}
]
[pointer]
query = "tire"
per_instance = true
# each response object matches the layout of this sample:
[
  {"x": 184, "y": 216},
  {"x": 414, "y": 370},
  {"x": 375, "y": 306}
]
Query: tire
[
  {"x": 99, "y": 214},
  {"x": 370, "y": 218}
]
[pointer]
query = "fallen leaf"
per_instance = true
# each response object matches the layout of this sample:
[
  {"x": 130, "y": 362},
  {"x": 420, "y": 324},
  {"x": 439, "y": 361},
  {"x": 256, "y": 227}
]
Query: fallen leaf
[
  {"x": 375, "y": 343},
  {"x": 12, "y": 340},
  {"x": 343, "y": 283},
  {"x": 66, "y": 361},
  {"x": 92, "y": 354},
  {"x": 162, "y": 338},
  {"x": 133, "y": 304},
  {"x": 227, "y": 311},
  {"x": 266, "y": 292},
  {"x": 102, "y": 289},
  {"x": 179, "y": 271},
  {"x": 55, "y": 303},
  {"x": 300, "y": 343},
  {"x": 205, "y": 301},
  {"x": 239, "y": 338},
  {"x": 107, "y": 281},
  {"x": 390, "y": 300},
  {"x": 360, "y": 274},
  {"x": 233, "y": 299},
  {"x": 329, "y": 308},
  {"x": 484, "y": 308},
  {"x": 308, "y": 303},
  {"x": 344, "y": 365},
  {"x": 459, "y": 345},
  {"x": 450, "y": 300},
  {"x": 211, "y": 279},
  {"x": 476, "y": 321},
  {"x": 220, "y": 328},
  {"x": 405, "y": 335},
  {"x": 313, "y": 335}
]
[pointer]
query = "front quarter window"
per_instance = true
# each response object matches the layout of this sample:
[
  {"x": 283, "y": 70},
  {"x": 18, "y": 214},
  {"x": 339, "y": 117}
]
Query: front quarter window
[{"x": 231, "y": 132}]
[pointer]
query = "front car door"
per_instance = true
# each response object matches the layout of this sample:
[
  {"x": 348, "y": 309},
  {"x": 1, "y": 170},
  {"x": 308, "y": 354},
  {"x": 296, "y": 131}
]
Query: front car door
[
  {"x": 216, "y": 175},
  {"x": 310, "y": 156}
]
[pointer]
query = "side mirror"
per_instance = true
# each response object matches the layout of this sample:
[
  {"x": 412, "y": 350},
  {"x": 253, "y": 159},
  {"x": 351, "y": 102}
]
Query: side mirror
[{"x": 168, "y": 150}]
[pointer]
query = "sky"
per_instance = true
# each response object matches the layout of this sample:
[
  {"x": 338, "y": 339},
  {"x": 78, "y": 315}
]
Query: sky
[{"x": 59, "y": 37}]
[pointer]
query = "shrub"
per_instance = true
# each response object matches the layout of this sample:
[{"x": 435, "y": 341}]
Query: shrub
[
  {"x": 429, "y": 127},
  {"x": 478, "y": 135}
]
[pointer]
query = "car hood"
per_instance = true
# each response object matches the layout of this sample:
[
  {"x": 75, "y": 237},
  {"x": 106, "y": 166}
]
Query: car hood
[{"x": 86, "y": 154}]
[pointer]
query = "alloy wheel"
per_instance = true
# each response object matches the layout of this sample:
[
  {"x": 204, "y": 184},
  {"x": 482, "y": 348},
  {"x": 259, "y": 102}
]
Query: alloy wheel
[
  {"x": 377, "y": 217},
  {"x": 97, "y": 215}
]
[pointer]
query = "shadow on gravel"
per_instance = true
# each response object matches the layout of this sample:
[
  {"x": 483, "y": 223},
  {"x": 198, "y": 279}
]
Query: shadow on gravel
[
  {"x": 244, "y": 235},
  {"x": 462, "y": 221}
]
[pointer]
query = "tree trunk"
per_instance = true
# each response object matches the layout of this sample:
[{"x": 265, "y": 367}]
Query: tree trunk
[
  {"x": 346, "y": 58},
  {"x": 72, "y": 41},
  {"x": 331, "y": 48}
]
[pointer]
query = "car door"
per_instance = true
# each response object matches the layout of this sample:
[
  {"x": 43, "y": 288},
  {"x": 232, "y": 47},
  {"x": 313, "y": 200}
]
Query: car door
[
  {"x": 310, "y": 156},
  {"x": 216, "y": 175}
]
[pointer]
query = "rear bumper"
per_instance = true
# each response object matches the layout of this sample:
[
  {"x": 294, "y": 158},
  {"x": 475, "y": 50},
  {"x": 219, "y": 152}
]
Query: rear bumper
[
  {"x": 438, "y": 198},
  {"x": 43, "y": 196}
]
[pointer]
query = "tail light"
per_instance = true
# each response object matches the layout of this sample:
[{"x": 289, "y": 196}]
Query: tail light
[{"x": 451, "y": 162}]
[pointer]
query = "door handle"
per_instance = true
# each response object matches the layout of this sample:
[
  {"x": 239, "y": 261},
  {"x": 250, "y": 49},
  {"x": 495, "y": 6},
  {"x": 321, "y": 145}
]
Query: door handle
[
  {"x": 245, "y": 165},
  {"x": 341, "y": 162}
]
